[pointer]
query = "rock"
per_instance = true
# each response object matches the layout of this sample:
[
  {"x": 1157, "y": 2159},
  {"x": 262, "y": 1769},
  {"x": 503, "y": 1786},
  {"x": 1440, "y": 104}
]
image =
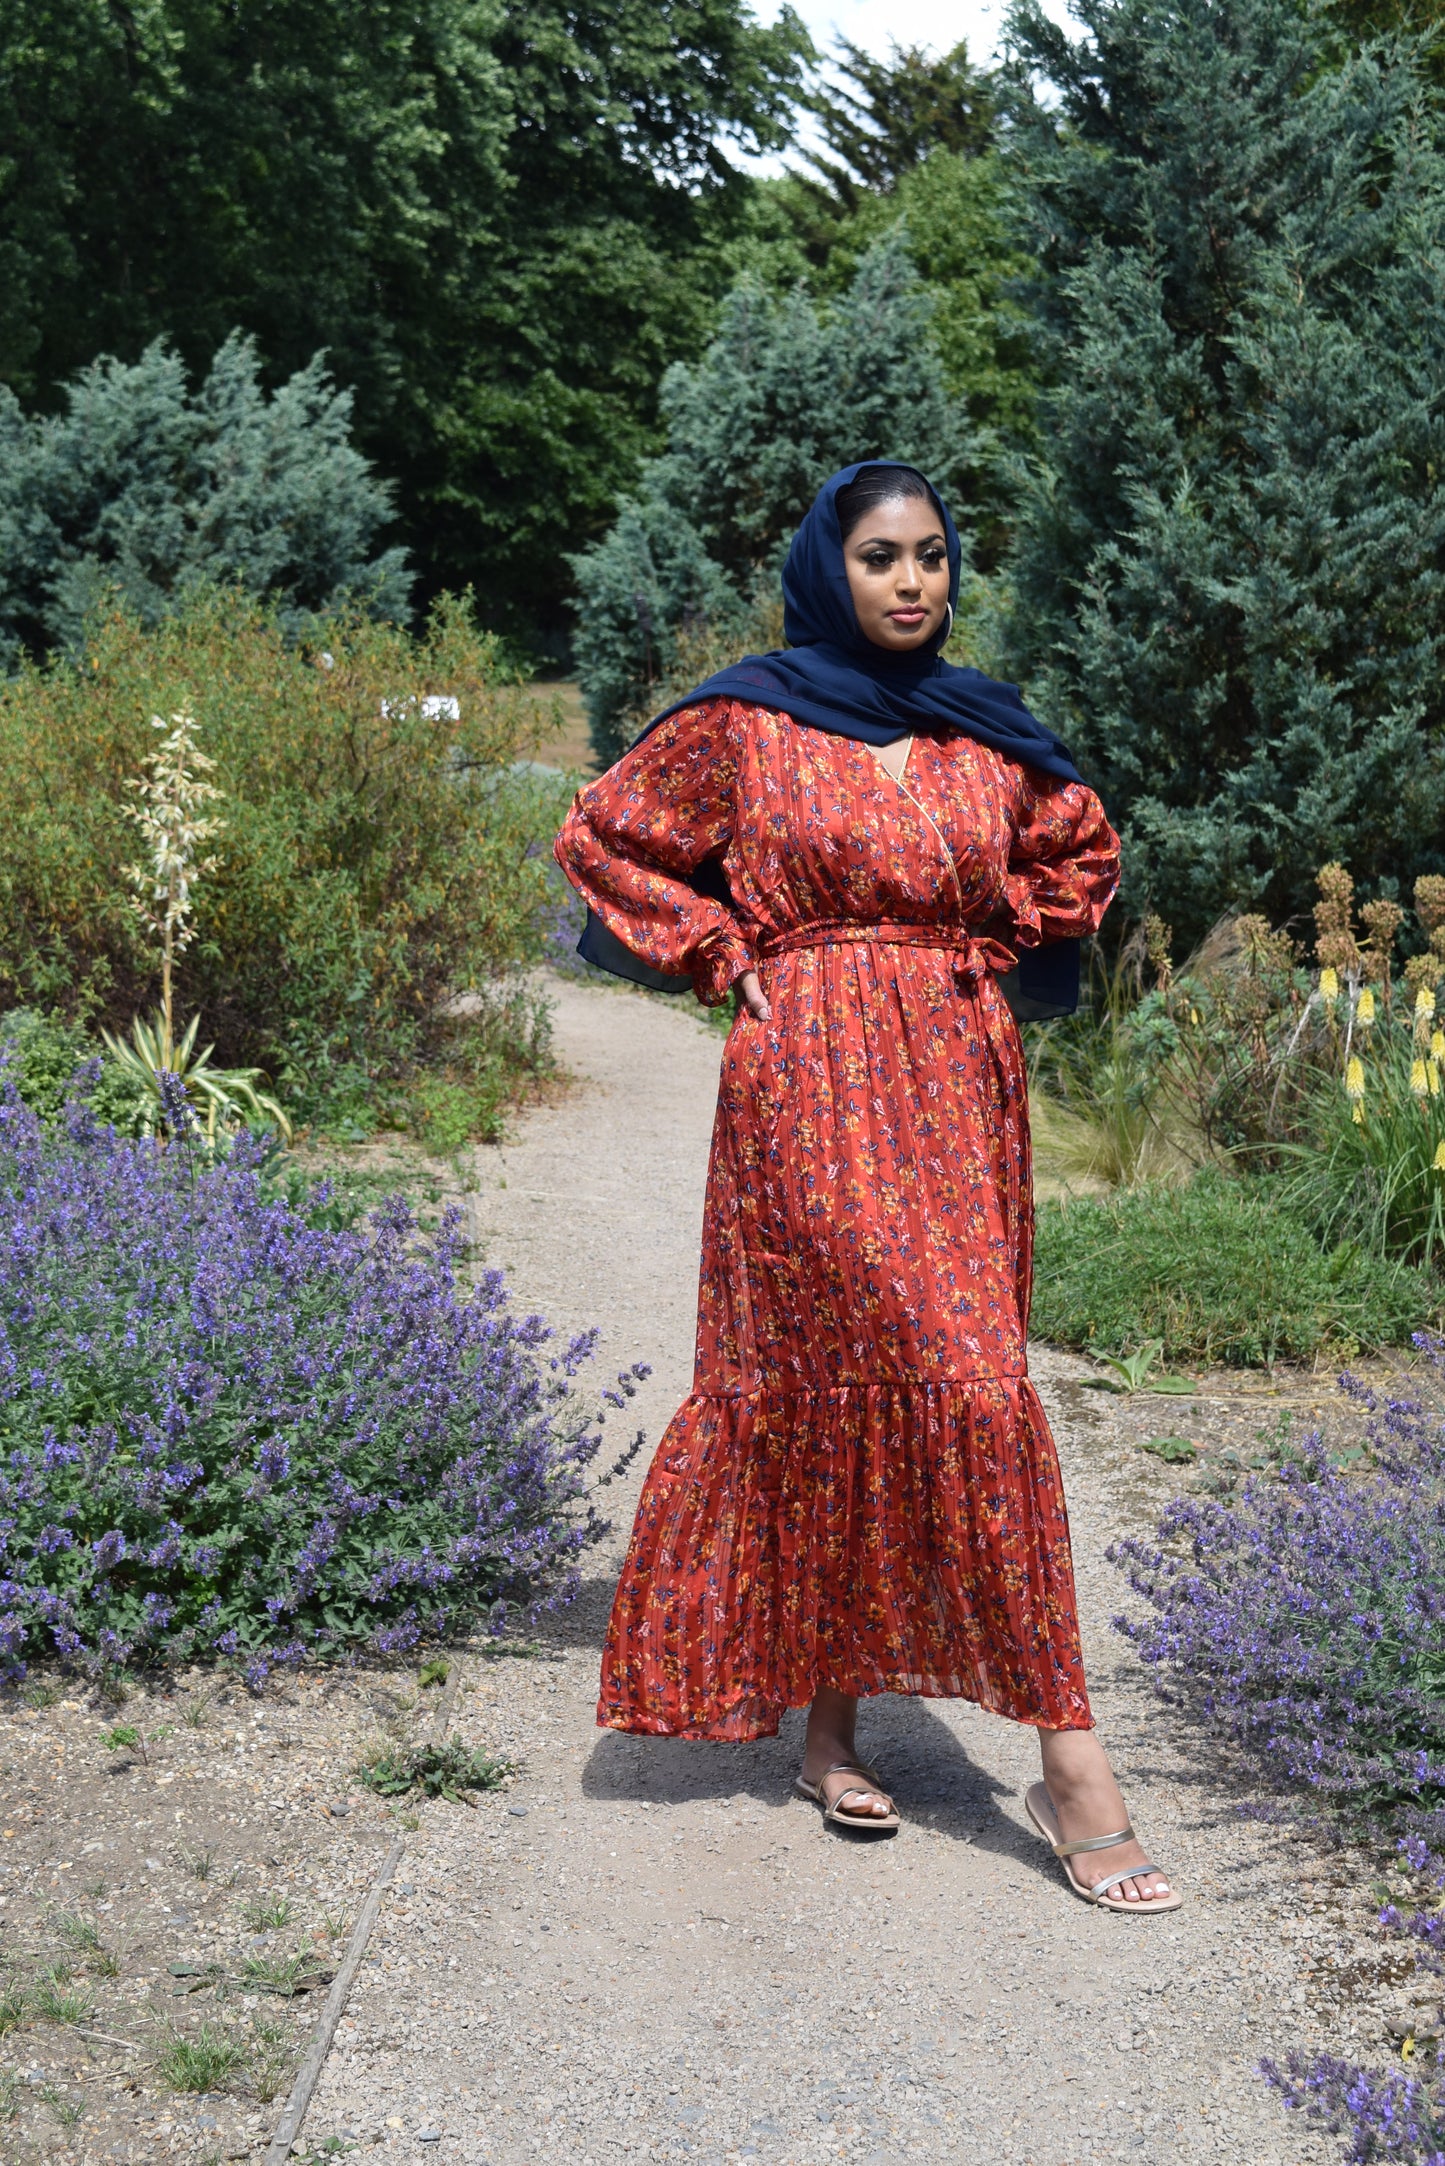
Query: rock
[{"x": 428, "y": 2135}]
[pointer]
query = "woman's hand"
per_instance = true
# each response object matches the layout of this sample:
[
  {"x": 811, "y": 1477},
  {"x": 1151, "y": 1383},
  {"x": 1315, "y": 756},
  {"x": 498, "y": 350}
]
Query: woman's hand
[{"x": 754, "y": 998}]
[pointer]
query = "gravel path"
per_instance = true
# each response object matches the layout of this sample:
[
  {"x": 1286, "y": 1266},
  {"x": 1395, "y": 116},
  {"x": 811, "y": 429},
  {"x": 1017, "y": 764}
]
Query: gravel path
[{"x": 650, "y": 1950}]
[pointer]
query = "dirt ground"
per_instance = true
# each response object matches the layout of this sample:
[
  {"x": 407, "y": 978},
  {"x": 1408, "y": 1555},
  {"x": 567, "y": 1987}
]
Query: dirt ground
[{"x": 653, "y": 1950}]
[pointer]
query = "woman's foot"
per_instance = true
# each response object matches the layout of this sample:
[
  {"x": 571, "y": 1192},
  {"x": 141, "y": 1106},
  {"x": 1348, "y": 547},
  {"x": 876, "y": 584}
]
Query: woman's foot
[
  {"x": 831, "y": 1767},
  {"x": 1087, "y": 1802}
]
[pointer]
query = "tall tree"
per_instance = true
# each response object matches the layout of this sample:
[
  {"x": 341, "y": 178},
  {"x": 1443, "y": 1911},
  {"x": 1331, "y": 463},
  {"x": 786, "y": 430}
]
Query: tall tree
[
  {"x": 917, "y": 151},
  {"x": 1228, "y": 590},
  {"x": 880, "y": 118},
  {"x": 484, "y": 211},
  {"x": 786, "y": 393}
]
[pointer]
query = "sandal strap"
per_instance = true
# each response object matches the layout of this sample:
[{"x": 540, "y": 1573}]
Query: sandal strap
[
  {"x": 1093, "y": 1842},
  {"x": 1111, "y": 1880},
  {"x": 871, "y": 1788}
]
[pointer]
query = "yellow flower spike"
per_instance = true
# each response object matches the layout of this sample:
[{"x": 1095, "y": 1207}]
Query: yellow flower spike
[
  {"x": 1365, "y": 1008},
  {"x": 1425, "y": 1001},
  {"x": 1437, "y": 1045},
  {"x": 1357, "y": 1115},
  {"x": 1419, "y": 1081},
  {"x": 1433, "y": 1075},
  {"x": 1438, "y": 1161},
  {"x": 1355, "y": 1078},
  {"x": 1329, "y": 985}
]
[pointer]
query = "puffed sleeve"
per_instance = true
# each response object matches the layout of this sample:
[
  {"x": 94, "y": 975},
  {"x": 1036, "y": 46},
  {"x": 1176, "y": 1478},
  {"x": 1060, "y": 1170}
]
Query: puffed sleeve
[
  {"x": 633, "y": 836},
  {"x": 1064, "y": 862}
]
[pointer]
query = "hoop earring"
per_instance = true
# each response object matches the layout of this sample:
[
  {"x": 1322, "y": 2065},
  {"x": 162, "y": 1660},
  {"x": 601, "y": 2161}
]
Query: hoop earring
[{"x": 949, "y": 633}]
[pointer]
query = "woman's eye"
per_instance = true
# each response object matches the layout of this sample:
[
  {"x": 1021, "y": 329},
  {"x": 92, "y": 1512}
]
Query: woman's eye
[
  {"x": 932, "y": 558},
  {"x": 878, "y": 560}
]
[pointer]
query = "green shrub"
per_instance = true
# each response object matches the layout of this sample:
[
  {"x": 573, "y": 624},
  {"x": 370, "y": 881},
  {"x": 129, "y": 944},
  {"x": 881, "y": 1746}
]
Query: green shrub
[
  {"x": 378, "y": 858},
  {"x": 1221, "y": 1271},
  {"x": 42, "y": 1054},
  {"x": 142, "y": 488}
]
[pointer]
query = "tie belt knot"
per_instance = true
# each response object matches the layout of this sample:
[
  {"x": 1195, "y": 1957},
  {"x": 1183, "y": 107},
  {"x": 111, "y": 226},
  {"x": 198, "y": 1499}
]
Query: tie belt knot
[{"x": 970, "y": 955}]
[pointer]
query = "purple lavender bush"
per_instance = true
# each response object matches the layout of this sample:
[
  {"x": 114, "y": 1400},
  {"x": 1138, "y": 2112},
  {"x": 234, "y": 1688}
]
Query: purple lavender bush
[
  {"x": 1383, "y": 2116},
  {"x": 227, "y": 1432},
  {"x": 1304, "y": 1618}
]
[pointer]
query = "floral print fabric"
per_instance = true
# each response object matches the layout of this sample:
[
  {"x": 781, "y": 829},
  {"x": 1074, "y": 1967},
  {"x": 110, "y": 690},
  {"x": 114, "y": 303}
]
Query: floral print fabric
[{"x": 861, "y": 1490}]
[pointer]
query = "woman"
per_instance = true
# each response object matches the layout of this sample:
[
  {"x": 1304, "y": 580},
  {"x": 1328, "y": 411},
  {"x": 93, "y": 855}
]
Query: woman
[{"x": 861, "y": 1494}]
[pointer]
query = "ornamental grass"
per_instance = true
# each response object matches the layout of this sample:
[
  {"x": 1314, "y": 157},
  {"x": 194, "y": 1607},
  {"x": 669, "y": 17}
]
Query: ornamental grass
[{"x": 226, "y": 1432}]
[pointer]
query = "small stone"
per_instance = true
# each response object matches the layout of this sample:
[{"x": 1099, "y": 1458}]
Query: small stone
[
  {"x": 518, "y": 1812},
  {"x": 428, "y": 2135}
]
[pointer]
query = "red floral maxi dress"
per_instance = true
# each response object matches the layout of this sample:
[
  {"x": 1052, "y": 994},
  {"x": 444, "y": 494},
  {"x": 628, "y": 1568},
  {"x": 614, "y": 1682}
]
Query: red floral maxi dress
[{"x": 861, "y": 1490}]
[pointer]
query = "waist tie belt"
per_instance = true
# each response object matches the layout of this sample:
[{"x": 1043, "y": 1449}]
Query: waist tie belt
[{"x": 969, "y": 955}]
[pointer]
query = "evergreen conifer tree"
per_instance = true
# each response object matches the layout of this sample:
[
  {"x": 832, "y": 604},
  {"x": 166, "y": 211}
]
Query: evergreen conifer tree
[
  {"x": 143, "y": 490},
  {"x": 787, "y": 392},
  {"x": 1227, "y": 584}
]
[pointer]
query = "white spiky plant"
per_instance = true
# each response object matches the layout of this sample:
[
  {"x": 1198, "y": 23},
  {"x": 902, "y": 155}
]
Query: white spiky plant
[{"x": 175, "y": 827}]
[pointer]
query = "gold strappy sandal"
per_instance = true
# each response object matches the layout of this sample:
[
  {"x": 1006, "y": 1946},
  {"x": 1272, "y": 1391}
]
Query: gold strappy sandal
[
  {"x": 1040, "y": 1809},
  {"x": 873, "y": 1824}
]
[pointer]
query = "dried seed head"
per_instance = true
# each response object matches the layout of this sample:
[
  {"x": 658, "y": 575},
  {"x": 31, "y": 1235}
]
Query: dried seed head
[{"x": 1430, "y": 900}]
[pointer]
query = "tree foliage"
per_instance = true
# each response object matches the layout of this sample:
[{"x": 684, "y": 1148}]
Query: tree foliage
[
  {"x": 787, "y": 392},
  {"x": 1227, "y": 588},
  {"x": 919, "y": 153},
  {"x": 881, "y": 118},
  {"x": 142, "y": 491},
  {"x": 486, "y": 211}
]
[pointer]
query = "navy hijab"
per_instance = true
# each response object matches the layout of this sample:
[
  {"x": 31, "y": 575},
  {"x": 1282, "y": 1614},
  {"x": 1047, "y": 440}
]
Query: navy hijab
[{"x": 831, "y": 676}]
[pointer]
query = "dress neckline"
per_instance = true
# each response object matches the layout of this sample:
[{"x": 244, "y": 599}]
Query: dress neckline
[{"x": 876, "y": 754}]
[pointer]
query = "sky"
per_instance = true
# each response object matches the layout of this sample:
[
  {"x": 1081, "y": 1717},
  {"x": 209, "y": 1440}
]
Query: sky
[{"x": 870, "y": 23}]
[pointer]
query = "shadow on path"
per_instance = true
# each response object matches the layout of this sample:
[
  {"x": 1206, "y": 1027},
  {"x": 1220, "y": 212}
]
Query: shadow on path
[{"x": 939, "y": 1787}]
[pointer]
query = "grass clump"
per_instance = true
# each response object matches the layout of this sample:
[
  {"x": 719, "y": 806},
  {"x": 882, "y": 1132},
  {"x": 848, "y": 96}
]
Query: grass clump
[
  {"x": 202, "y": 2062},
  {"x": 268, "y": 1913},
  {"x": 1221, "y": 1271},
  {"x": 286, "y": 1975},
  {"x": 54, "y": 2000},
  {"x": 67, "y": 2111},
  {"x": 447, "y": 1770}
]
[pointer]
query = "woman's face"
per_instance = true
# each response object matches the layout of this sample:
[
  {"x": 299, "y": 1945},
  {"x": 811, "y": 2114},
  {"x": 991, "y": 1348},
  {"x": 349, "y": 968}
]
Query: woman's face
[{"x": 897, "y": 563}]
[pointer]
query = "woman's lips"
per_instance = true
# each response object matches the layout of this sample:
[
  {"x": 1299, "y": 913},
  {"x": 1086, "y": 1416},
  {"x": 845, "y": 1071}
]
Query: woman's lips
[{"x": 907, "y": 616}]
